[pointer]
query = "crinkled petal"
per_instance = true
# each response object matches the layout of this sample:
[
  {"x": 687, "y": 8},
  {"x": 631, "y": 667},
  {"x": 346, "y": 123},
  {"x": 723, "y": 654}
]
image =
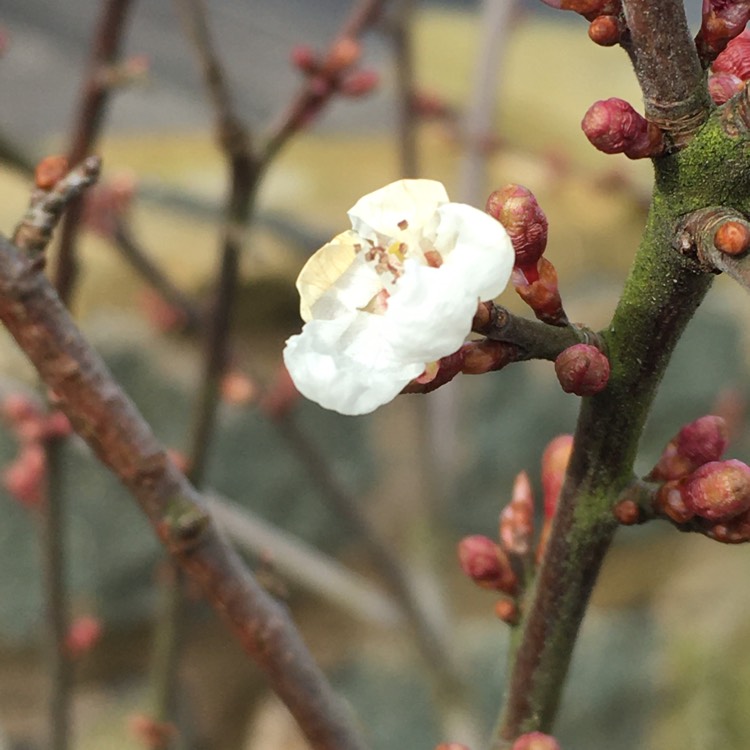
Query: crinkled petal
[
  {"x": 324, "y": 271},
  {"x": 377, "y": 216},
  {"x": 428, "y": 314},
  {"x": 476, "y": 250},
  {"x": 346, "y": 364}
]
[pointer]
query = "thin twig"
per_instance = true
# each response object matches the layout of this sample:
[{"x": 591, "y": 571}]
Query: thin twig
[
  {"x": 87, "y": 127},
  {"x": 305, "y": 565},
  {"x": 406, "y": 117},
  {"x": 103, "y": 415}
]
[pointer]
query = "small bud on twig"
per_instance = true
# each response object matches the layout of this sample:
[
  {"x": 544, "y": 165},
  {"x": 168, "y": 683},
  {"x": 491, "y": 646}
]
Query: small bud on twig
[
  {"x": 517, "y": 518},
  {"x": 719, "y": 490},
  {"x": 732, "y": 238},
  {"x": 614, "y": 127},
  {"x": 723, "y": 86},
  {"x": 605, "y": 31},
  {"x": 516, "y": 208},
  {"x": 554, "y": 465},
  {"x": 543, "y": 294},
  {"x": 582, "y": 369},
  {"x": 507, "y": 611},
  {"x": 486, "y": 564},
  {"x": 722, "y": 21}
]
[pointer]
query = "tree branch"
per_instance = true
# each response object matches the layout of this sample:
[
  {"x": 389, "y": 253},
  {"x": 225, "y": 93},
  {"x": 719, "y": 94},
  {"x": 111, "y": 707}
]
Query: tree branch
[
  {"x": 667, "y": 66},
  {"x": 104, "y": 416}
]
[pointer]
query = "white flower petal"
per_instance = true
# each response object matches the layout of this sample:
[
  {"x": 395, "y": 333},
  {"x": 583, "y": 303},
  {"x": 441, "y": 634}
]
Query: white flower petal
[
  {"x": 428, "y": 314},
  {"x": 377, "y": 215},
  {"x": 476, "y": 249},
  {"x": 345, "y": 364}
]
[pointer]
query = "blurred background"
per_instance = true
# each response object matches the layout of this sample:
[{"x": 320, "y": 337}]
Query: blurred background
[{"x": 657, "y": 664}]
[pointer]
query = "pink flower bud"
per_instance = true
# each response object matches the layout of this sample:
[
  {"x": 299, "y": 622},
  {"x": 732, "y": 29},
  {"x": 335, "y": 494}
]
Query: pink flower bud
[
  {"x": 84, "y": 633},
  {"x": 719, "y": 490},
  {"x": 304, "y": 59},
  {"x": 516, "y": 208},
  {"x": 735, "y": 59},
  {"x": 517, "y": 518},
  {"x": 542, "y": 294},
  {"x": 614, "y": 127},
  {"x": 24, "y": 479},
  {"x": 695, "y": 444},
  {"x": 360, "y": 83},
  {"x": 344, "y": 53},
  {"x": 723, "y": 86},
  {"x": 536, "y": 741},
  {"x": 582, "y": 369},
  {"x": 57, "y": 425},
  {"x": 485, "y": 563},
  {"x": 554, "y": 465}
]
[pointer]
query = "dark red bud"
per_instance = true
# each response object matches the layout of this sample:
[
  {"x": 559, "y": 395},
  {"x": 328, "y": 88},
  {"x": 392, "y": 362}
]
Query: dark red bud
[
  {"x": 723, "y": 86},
  {"x": 627, "y": 512},
  {"x": 582, "y": 369},
  {"x": 614, "y": 127},
  {"x": 516, "y": 208},
  {"x": 735, "y": 59}
]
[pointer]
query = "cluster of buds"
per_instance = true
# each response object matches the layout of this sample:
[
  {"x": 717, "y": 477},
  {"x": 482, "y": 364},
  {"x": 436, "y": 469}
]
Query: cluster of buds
[
  {"x": 582, "y": 369},
  {"x": 24, "y": 479},
  {"x": 697, "y": 489},
  {"x": 604, "y": 16},
  {"x": 722, "y": 21},
  {"x": 614, "y": 127},
  {"x": 334, "y": 72},
  {"x": 534, "y": 277},
  {"x": 731, "y": 69},
  {"x": 503, "y": 565}
]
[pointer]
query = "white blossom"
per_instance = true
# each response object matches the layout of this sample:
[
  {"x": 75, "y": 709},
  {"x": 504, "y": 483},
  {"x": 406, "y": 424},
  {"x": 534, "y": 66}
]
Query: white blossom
[{"x": 393, "y": 294}]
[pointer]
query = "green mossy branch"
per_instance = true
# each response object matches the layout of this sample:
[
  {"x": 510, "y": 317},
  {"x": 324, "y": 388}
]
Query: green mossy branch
[{"x": 663, "y": 291}]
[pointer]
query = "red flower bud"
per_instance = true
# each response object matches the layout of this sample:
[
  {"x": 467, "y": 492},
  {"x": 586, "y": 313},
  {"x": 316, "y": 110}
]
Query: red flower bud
[
  {"x": 84, "y": 633},
  {"x": 517, "y": 518},
  {"x": 718, "y": 490},
  {"x": 695, "y": 444},
  {"x": 554, "y": 465},
  {"x": 582, "y": 369},
  {"x": 735, "y": 59},
  {"x": 17, "y": 408},
  {"x": 486, "y": 564},
  {"x": 536, "y": 741},
  {"x": 516, "y": 208},
  {"x": 723, "y": 86},
  {"x": 614, "y": 127},
  {"x": 542, "y": 295},
  {"x": 605, "y": 31},
  {"x": 722, "y": 21},
  {"x": 24, "y": 479},
  {"x": 627, "y": 512}
]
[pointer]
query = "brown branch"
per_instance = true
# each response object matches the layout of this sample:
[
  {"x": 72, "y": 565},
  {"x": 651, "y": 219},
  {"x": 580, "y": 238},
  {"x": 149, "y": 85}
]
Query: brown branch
[
  {"x": 108, "y": 421},
  {"x": 87, "y": 127},
  {"x": 667, "y": 67}
]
